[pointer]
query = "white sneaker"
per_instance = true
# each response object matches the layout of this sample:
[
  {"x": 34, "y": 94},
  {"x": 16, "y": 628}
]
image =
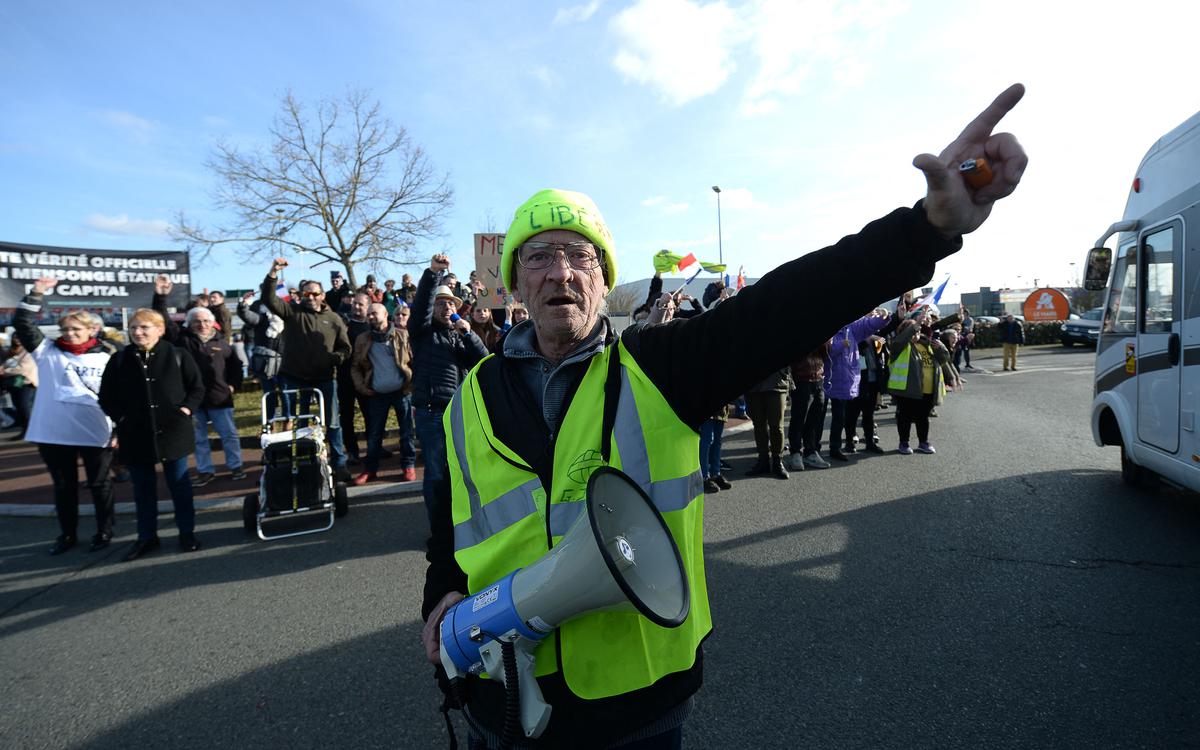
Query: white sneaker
[
  {"x": 814, "y": 461},
  {"x": 795, "y": 462}
]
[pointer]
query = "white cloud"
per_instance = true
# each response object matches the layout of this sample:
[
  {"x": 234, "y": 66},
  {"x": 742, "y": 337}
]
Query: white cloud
[
  {"x": 795, "y": 41},
  {"x": 681, "y": 49},
  {"x": 123, "y": 225},
  {"x": 665, "y": 205},
  {"x": 140, "y": 129},
  {"x": 740, "y": 199},
  {"x": 576, "y": 13},
  {"x": 684, "y": 50}
]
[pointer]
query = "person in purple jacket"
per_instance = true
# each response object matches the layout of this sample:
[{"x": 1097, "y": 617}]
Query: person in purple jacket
[{"x": 841, "y": 377}]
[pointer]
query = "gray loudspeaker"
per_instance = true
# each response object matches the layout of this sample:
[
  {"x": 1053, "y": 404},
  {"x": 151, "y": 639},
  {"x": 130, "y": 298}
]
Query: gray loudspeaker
[{"x": 620, "y": 555}]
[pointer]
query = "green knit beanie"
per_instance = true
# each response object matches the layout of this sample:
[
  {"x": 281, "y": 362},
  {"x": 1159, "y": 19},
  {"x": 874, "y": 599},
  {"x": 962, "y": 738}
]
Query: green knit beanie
[{"x": 558, "y": 209}]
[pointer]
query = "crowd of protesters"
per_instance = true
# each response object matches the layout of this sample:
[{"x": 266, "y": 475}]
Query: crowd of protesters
[
  {"x": 401, "y": 351},
  {"x": 907, "y": 360},
  {"x": 128, "y": 410}
]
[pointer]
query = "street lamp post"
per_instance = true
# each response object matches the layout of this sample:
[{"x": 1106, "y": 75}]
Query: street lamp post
[{"x": 720, "y": 247}]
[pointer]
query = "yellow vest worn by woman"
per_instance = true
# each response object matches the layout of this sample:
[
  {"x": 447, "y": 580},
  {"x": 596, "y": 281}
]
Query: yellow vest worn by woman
[{"x": 504, "y": 521}]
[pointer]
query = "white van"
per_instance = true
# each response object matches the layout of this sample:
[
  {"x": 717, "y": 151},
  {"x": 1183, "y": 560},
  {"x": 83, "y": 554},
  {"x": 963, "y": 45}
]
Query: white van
[{"x": 1147, "y": 384}]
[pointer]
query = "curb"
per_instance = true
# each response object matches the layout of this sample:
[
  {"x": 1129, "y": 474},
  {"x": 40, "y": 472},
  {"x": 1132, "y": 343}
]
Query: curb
[{"x": 41, "y": 510}]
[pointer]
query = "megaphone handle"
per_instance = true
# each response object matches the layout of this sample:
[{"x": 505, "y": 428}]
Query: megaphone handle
[{"x": 535, "y": 712}]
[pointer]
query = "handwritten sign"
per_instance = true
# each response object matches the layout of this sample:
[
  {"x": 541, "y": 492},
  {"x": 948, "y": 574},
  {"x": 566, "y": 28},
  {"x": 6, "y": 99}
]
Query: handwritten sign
[{"x": 488, "y": 249}]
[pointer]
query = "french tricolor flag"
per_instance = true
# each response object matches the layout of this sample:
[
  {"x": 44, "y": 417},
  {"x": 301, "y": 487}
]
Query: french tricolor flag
[{"x": 932, "y": 298}]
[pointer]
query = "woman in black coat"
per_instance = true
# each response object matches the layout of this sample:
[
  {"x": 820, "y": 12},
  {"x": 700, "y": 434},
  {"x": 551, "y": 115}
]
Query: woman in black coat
[{"x": 150, "y": 391}]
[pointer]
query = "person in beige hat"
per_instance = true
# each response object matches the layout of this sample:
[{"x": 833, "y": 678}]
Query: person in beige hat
[{"x": 444, "y": 349}]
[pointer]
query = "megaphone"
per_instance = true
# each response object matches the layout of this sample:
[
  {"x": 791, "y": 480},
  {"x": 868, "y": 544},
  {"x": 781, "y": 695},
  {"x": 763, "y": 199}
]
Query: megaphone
[{"x": 618, "y": 556}]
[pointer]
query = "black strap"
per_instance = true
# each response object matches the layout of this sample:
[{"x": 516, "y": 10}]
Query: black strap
[{"x": 612, "y": 397}]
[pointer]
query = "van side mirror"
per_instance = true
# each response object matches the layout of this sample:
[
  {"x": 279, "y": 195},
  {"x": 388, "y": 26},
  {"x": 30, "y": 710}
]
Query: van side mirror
[{"x": 1099, "y": 263}]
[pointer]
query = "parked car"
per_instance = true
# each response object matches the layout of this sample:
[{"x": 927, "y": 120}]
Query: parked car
[
  {"x": 989, "y": 319},
  {"x": 1085, "y": 330}
]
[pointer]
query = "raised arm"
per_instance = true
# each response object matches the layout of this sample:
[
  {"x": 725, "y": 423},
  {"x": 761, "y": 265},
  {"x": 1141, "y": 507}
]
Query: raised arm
[
  {"x": 901, "y": 249},
  {"x": 269, "y": 298},
  {"x": 25, "y": 318},
  {"x": 158, "y": 303},
  {"x": 421, "y": 316}
]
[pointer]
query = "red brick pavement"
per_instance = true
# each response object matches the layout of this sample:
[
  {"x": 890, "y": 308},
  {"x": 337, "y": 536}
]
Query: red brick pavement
[{"x": 24, "y": 479}]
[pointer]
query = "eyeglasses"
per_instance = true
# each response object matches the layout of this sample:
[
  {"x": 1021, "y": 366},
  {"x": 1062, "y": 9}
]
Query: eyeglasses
[
  {"x": 582, "y": 256},
  {"x": 312, "y": 294}
]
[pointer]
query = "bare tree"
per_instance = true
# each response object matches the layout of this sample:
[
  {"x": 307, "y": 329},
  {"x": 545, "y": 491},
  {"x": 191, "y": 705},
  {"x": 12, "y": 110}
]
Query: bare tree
[{"x": 344, "y": 183}]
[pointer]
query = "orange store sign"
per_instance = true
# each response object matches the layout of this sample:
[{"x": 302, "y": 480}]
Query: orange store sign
[{"x": 1046, "y": 304}]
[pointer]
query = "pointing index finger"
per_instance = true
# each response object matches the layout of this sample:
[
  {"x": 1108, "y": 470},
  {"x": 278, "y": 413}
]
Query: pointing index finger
[{"x": 983, "y": 125}]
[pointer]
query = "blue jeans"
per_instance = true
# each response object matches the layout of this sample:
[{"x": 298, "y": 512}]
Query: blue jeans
[
  {"x": 377, "y": 412},
  {"x": 433, "y": 448},
  {"x": 272, "y": 386},
  {"x": 710, "y": 447},
  {"x": 145, "y": 496},
  {"x": 333, "y": 428},
  {"x": 222, "y": 422}
]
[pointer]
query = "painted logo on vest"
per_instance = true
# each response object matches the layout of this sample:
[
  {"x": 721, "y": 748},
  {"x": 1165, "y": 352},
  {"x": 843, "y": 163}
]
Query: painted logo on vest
[{"x": 580, "y": 471}]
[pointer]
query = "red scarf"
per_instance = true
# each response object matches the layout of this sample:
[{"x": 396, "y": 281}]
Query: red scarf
[{"x": 76, "y": 349}]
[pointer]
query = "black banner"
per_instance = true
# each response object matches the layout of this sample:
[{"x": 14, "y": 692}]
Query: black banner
[{"x": 92, "y": 278}]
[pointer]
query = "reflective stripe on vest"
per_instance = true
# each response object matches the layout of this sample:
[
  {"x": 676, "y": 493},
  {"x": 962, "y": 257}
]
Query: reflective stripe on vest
[{"x": 516, "y": 504}]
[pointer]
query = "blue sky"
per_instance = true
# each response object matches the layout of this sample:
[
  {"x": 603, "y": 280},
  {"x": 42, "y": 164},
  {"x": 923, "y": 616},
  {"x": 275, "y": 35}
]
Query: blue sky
[{"x": 807, "y": 114}]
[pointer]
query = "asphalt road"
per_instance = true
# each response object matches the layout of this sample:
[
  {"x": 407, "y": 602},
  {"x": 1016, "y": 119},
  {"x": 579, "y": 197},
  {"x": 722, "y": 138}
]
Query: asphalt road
[{"x": 1006, "y": 592}]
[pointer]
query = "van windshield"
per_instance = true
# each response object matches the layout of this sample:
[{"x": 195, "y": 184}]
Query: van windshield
[{"x": 1095, "y": 314}]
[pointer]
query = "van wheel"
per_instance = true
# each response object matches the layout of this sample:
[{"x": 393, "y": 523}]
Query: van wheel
[
  {"x": 1068, "y": 344},
  {"x": 1131, "y": 472},
  {"x": 341, "y": 501}
]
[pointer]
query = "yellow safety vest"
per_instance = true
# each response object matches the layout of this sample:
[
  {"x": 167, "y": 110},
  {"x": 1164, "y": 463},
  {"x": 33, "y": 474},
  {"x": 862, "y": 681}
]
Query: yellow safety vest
[
  {"x": 502, "y": 520},
  {"x": 898, "y": 379}
]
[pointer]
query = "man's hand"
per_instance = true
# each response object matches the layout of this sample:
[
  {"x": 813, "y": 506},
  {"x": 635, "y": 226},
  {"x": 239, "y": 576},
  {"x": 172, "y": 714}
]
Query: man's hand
[
  {"x": 953, "y": 206},
  {"x": 439, "y": 263},
  {"x": 432, "y": 632},
  {"x": 664, "y": 310},
  {"x": 186, "y": 411},
  {"x": 277, "y": 265},
  {"x": 247, "y": 297},
  {"x": 162, "y": 284},
  {"x": 44, "y": 284},
  {"x": 462, "y": 325}
]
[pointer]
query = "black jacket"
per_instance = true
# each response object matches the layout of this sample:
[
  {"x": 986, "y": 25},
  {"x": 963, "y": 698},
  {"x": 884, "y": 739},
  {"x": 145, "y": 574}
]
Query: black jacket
[
  {"x": 144, "y": 397},
  {"x": 902, "y": 246},
  {"x": 218, "y": 363},
  {"x": 441, "y": 355},
  {"x": 1011, "y": 333}
]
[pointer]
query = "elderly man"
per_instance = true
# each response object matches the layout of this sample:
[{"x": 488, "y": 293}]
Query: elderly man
[
  {"x": 1012, "y": 335},
  {"x": 221, "y": 372},
  {"x": 315, "y": 343},
  {"x": 566, "y": 392}
]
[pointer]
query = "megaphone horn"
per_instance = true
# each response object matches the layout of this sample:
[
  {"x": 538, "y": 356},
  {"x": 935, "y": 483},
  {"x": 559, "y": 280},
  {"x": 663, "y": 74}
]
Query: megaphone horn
[{"x": 618, "y": 555}]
